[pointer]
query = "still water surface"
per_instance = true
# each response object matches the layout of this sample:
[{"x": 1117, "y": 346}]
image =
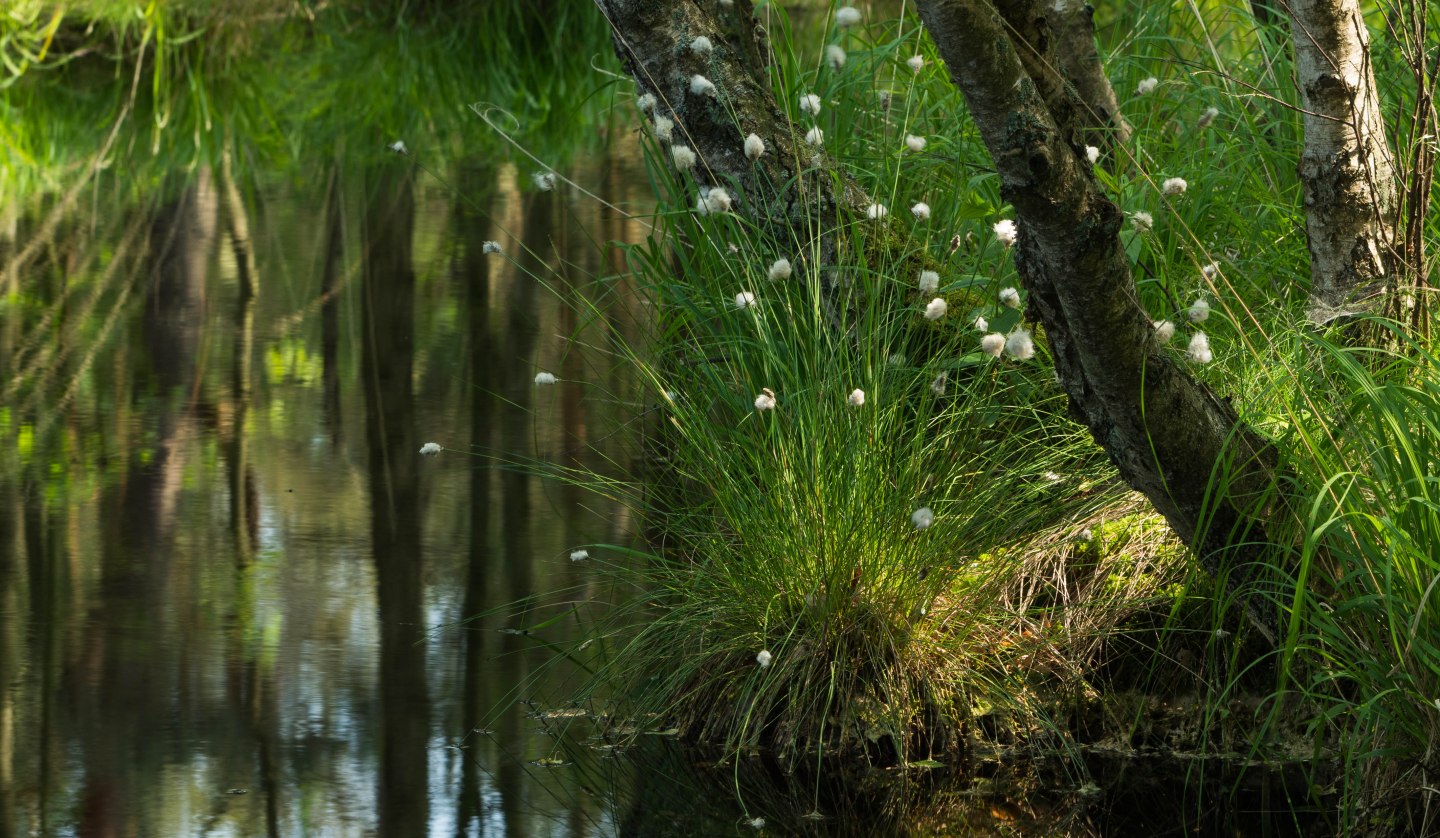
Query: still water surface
[{"x": 226, "y": 574}]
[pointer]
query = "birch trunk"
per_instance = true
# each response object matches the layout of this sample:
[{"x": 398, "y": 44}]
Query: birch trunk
[
  {"x": 1346, "y": 170},
  {"x": 1073, "y": 22},
  {"x": 1166, "y": 432}
]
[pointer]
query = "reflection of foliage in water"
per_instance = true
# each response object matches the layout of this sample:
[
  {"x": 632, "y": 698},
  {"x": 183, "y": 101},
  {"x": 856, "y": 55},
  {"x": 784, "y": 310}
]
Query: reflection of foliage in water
[{"x": 289, "y": 85}]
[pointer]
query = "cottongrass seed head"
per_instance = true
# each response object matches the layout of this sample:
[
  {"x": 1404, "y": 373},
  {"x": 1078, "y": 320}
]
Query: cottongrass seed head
[
  {"x": 1006, "y": 232},
  {"x": 835, "y": 56},
  {"x": 916, "y": 62},
  {"x": 922, "y": 518},
  {"x": 1164, "y": 331},
  {"x": 1210, "y": 270},
  {"x": 543, "y": 379},
  {"x": 993, "y": 344},
  {"x": 701, "y": 86},
  {"x": 876, "y": 211},
  {"x": 491, "y": 247},
  {"x": 764, "y": 658},
  {"x": 856, "y": 398},
  {"x": 1092, "y": 154},
  {"x": 935, "y": 309},
  {"x": 1199, "y": 310},
  {"x": 914, "y": 143},
  {"x": 544, "y": 181},
  {"x": 579, "y": 555},
  {"x": 766, "y": 399},
  {"x": 714, "y": 200},
  {"x": 684, "y": 157},
  {"x": 981, "y": 324},
  {"x": 1199, "y": 351},
  {"x": 754, "y": 146},
  {"x": 810, "y": 103},
  {"x": 664, "y": 128},
  {"x": 815, "y": 136},
  {"x": 1020, "y": 345},
  {"x": 929, "y": 282},
  {"x": 431, "y": 449},
  {"x": 1143, "y": 220},
  {"x": 847, "y": 16},
  {"x": 745, "y": 299},
  {"x": 938, "y": 385},
  {"x": 645, "y": 102},
  {"x": 780, "y": 269},
  {"x": 701, "y": 45},
  {"x": 921, "y": 211},
  {"x": 1147, "y": 86},
  {"x": 1174, "y": 186},
  {"x": 1207, "y": 117},
  {"x": 1010, "y": 298},
  {"x": 399, "y": 147}
]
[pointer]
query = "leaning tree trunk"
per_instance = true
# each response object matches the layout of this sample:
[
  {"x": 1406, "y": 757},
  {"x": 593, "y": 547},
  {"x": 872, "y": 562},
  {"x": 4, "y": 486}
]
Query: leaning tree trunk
[
  {"x": 1347, "y": 171},
  {"x": 1073, "y": 25},
  {"x": 1166, "y": 432},
  {"x": 783, "y": 192}
]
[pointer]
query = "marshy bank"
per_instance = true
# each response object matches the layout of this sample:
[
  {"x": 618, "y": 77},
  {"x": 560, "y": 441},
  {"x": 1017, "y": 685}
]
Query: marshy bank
[{"x": 733, "y": 524}]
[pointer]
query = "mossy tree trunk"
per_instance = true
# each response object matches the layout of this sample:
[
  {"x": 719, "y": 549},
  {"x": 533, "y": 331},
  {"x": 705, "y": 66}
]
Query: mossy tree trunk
[
  {"x": 1346, "y": 170},
  {"x": 1167, "y": 433}
]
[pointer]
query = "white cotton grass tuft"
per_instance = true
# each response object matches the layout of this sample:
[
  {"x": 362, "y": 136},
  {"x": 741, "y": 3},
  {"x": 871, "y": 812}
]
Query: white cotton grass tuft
[
  {"x": 431, "y": 449},
  {"x": 1147, "y": 86},
  {"x": 664, "y": 128},
  {"x": 922, "y": 518},
  {"x": 1174, "y": 186},
  {"x": 1210, "y": 270},
  {"x": 938, "y": 385},
  {"x": 1006, "y": 232},
  {"x": 684, "y": 157},
  {"x": 847, "y": 16},
  {"x": 491, "y": 247},
  {"x": 876, "y": 211},
  {"x": 746, "y": 299},
  {"x": 916, "y": 62},
  {"x": 780, "y": 269},
  {"x": 766, "y": 399},
  {"x": 993, "y": 344},
  {"x": 645, "y": 102},
  {"x": 1143, "y": 220},
  {"x": 1020, "y": 345},
  {"x": 714, "y": 200},
  {"x": 936, "y": 308},
  {"x": 545, "y": 181},
  {"x": 754, "y": 147},
  {"x": 835, "y": 56},
  {"x": 579, "y": 555},
  {"x": 815, "y": 136},
  {"x": 1199, "y": 310},
  {"x": 981, "y": 324},
  {"x": 544, "y": 379},
  {"x": 1010, "y": 298},
  {"x": 914, "y": 143},
  {"x": 1092, "y": 154},
  {"x": 764, "y": 658},
  {"x": 1207, "y": 117},
  {"x": 701, "y": 86},
  {"x": 929, "y": 282},
  {"x": 1199, "y": 351},
  {"x": 756, "y": 823},
  {"x": 810, "y": 103},
  {"x": 1164, "y": 330},
  {"x": 399, "y": 147},
  {"x": 701, "y": 46},
  {"x": 856, "y": 398},
  {"x": 921, "y": 211}
]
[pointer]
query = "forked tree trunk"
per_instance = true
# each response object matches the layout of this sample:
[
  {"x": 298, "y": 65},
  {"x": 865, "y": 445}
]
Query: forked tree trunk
[
  {"x": 1170, "y": 437},
  {"x": 1346, "y": 170}
]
